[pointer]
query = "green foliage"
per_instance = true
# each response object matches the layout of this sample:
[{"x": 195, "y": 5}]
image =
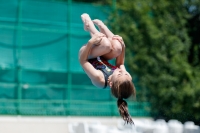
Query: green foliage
[
  {"x": 157, "y": 50},
  {"x": 104, "y": 2}
]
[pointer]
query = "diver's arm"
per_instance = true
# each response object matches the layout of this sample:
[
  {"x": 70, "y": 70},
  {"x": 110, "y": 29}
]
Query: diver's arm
[{"x": 120, "y": 59}]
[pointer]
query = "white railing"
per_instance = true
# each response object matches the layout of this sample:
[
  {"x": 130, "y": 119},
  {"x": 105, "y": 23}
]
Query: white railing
[{"x": 141, "y": 126}]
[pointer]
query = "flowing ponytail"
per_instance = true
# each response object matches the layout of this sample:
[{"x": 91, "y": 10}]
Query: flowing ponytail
[
  {"x": 123, "y": 110},
  {"x": 123, "y": 90}
]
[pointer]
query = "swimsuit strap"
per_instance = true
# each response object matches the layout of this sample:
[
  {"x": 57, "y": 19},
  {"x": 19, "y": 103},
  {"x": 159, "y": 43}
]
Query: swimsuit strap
[{"x": 106, "y": 75}]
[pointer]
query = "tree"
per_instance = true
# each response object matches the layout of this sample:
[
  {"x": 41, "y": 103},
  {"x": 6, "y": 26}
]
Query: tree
[
  {"x": 158, "y": 45},
  {"x": 193, "y": 25}
]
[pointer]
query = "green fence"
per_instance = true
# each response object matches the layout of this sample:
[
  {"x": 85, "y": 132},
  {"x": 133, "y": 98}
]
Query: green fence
[{"x": 39, "y": 69}]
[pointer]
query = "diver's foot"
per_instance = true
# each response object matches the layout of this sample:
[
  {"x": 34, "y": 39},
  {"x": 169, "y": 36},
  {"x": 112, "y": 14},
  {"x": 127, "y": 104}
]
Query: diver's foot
[
  {"x": 86, "y": 21},
  {"x": 99, "y": 24}
]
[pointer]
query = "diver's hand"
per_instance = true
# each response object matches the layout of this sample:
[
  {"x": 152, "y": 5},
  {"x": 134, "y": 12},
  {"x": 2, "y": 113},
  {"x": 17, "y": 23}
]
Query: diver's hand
[
  {"x": 119, "y": 38},
  {"x": 96, "y": 39}
]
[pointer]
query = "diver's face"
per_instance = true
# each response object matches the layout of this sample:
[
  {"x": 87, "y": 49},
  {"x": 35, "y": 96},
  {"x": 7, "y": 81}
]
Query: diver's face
[{"x": 120, "y": 74}]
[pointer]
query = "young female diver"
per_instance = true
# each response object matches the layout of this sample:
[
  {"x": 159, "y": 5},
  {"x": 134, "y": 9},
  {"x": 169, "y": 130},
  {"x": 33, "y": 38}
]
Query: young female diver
[{"x": 94, "y": 56}]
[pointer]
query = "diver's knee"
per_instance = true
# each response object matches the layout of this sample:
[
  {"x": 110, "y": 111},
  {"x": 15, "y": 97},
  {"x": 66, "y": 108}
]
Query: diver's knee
[
  {"x": 106, "y": 44},
  {"x": 80, "y": 51}
]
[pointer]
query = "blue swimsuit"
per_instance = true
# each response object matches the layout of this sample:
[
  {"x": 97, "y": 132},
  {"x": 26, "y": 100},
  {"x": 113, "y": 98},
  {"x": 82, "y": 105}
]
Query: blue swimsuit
[{"x": 101, "y": 64}]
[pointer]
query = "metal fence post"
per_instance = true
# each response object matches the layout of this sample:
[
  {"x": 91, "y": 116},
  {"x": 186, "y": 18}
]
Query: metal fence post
[
  {"x": 69, "y": 76},
  {"x": 16, "y": 54}
]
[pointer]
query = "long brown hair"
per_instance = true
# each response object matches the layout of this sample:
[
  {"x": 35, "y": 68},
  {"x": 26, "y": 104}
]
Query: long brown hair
[{"x": 123, "y": 90}]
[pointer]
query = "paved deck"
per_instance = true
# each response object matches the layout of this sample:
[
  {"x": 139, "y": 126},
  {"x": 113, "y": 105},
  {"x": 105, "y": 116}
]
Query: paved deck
[{"x": 24, "y": 124}]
